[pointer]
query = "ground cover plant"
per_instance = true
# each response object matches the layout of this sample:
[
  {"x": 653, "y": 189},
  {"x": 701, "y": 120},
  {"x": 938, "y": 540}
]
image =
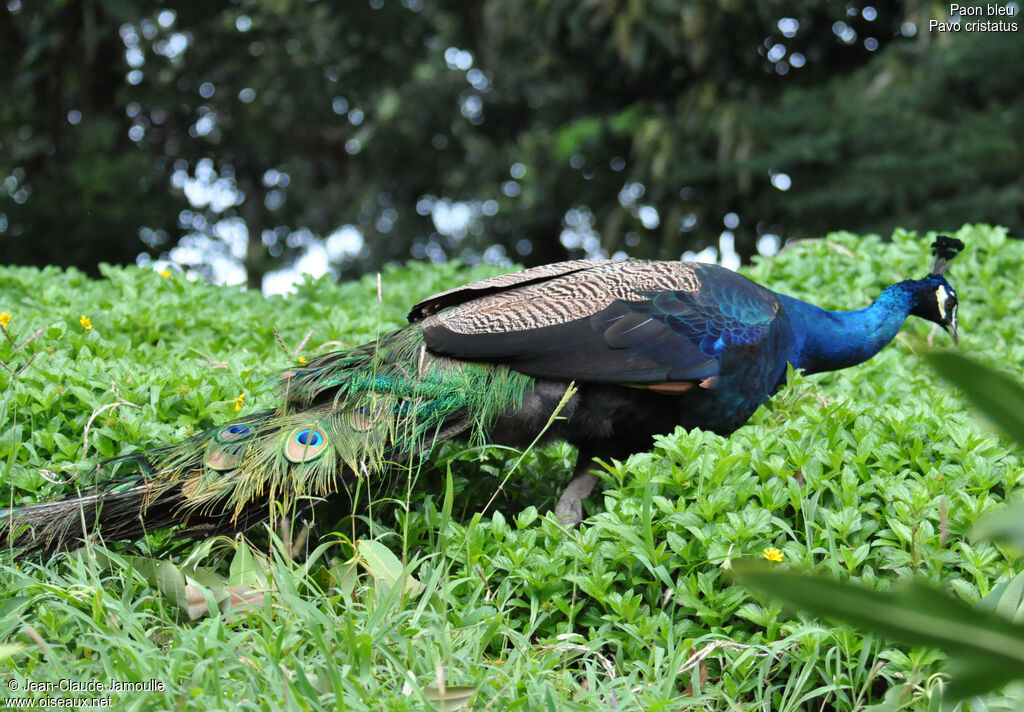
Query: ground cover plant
[
  {"x": 984, "y": 642},
  {"x": 438, "y": 596}
]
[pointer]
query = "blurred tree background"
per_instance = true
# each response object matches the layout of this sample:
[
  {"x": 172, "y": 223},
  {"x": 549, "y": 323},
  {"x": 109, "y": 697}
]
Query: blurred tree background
[{"x": 236, "y": 137}]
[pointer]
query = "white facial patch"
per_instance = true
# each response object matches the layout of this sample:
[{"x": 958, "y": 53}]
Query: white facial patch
[{"x": 940, "y": 296}]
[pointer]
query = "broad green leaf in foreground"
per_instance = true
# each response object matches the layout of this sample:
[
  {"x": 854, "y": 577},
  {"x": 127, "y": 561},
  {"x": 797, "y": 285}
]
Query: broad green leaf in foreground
[
  {"x": 1006, "y": 599},
  {"x": 998, "y": 396},
  {"x": 985, "y": 651},
  {"x": 1004, "y": 524}
]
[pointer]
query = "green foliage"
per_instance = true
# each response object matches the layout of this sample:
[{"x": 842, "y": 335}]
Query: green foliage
[
  {"x": 985, "y": 651},
  {"x": 999, "y": 397},
  {"x": 875, "y": 474}
]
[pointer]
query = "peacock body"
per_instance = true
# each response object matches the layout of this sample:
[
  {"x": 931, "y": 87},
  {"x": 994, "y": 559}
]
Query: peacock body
[{"x": 621, "y": 349}]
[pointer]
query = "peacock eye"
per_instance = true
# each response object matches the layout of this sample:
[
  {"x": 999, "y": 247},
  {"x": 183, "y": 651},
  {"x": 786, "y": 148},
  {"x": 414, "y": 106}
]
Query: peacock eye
[
  {"x": 305, "y": 444},
  {"x": 234, "y": 433},
  {"x": 312, "y": 438}
]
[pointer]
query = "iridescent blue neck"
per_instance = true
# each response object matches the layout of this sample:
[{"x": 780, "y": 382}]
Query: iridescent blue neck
[{"x": 829, "y": 340}]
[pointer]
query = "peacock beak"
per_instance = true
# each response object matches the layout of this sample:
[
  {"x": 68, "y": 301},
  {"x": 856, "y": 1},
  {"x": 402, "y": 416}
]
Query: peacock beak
[{"x": 952, "y": 329}]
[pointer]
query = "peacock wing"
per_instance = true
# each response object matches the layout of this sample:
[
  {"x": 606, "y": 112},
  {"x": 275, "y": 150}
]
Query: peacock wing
[
  {"x": 636, "y": 323},
  {"x": 501, "y": 283}
]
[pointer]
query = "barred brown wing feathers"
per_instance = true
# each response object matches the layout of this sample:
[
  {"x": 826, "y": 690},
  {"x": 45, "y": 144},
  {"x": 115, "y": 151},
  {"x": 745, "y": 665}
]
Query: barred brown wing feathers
[
  {"x": 501, "y": 283},
  {"x": 583, "y": 325},
  {"x": 565, "y": 297}
]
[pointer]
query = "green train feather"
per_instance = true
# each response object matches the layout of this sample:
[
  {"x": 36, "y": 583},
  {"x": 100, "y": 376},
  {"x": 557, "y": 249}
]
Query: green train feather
[{"x": 345, "y": 415}]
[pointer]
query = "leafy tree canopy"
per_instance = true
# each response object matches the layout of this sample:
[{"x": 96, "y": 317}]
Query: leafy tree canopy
[{"x": 515, "y": 129}]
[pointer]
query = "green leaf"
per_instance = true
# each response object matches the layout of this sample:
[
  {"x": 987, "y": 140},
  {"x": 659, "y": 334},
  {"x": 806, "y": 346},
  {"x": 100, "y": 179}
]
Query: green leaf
[
  {"x": 308, "y": 685},
  {"x": 12, "y": 605},
  {"x": 198, "y": 581},
  {"x": 987, "y": 649},
  {"x": 980, "y": 675},
  {"x": 9, "y": 650},
  {"x": 450, "y": 697},
  {"x": 346, "y": 576},
  {"x": 205, "y": 548},
  {"x": 170, "y": 581},
  {"x": 1005, "y": 524},
  {"x": 245, "y": 571},
  {"x": 1006, "y": 599},
  {"x": 384, "y": 566},
  {"x": 998, "y": 396},
  {"x": 571, "y": 137}
]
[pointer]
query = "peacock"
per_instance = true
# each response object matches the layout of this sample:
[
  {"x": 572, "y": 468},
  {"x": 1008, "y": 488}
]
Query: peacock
[{"x": 621, "y": 349}]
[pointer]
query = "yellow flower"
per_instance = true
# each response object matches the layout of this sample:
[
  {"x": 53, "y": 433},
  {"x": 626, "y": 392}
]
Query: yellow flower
[
  {"x": 302, "y": 361},
  {"x": 239, "y": 402},
  {"x": 5, "y": 319},
  {"x": 86, "y": 323},
  {"x": 166, "y": 273},
  {"x": 773, "y": 555}
]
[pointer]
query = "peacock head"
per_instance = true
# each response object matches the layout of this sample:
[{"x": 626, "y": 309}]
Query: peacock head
[{"x": 936, "y": 300}]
